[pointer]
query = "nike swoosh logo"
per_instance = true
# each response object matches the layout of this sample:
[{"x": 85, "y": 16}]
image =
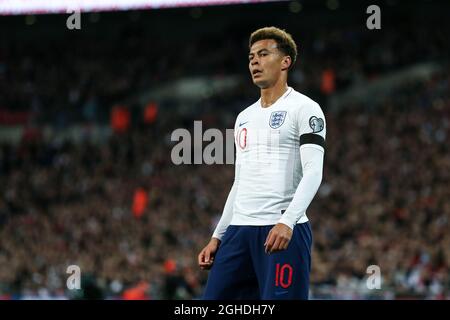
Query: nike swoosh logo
[
  {"x": 242, "y": 123},
  {"x": 279, "y": 293}
]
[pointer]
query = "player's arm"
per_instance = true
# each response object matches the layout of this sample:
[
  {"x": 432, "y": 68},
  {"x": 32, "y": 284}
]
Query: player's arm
[
  {"x": 206, "y": 256},
  {"x": 312, "y": 164},
  {"x": 227, "y": 214},
  {"x": 312, "y": 149}
]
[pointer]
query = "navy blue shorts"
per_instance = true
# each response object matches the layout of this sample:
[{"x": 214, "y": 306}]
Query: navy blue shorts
[{"x": 242, "y": 269}]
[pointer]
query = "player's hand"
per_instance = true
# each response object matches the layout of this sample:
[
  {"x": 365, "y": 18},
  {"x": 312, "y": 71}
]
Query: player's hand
[
  {"x": 278, "y": 238},
  {"x": 206, "y": 256}
]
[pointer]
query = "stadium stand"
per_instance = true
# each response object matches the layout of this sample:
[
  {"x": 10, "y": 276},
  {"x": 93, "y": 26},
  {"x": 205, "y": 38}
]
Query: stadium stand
[{"x": 86, "y": 176}]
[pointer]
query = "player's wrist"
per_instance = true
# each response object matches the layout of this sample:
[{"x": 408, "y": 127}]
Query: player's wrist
[
  {"x": 215, "y": 240},
  {"x": 288, "y": 223}
]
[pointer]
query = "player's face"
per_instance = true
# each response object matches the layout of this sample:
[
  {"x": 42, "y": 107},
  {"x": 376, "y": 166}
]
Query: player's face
[{"x": 265, "y": 63}]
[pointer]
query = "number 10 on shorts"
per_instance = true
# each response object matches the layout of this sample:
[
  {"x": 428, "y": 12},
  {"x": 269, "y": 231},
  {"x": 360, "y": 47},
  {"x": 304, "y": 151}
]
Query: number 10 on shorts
[{"x": 283, "y": 275}]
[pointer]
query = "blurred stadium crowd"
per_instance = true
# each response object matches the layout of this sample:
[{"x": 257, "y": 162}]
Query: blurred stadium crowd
[{"x": 134, "y": 222}]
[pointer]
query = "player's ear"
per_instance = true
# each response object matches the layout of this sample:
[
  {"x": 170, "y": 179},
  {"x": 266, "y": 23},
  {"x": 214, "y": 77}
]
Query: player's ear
[{"x": 286, "y": 63}]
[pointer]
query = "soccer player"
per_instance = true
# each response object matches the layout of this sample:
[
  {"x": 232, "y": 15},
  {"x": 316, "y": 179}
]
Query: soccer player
[{"x": 261, "y": 247}]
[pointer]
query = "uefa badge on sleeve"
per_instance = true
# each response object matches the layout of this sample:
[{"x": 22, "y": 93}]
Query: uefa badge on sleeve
[
  {"x": 316, "y": 124},
  {"x": 277, "y": 119}
]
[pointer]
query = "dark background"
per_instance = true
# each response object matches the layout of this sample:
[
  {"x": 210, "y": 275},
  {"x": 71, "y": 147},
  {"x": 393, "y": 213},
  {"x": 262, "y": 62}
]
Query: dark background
[{"x": 77, "y": 152}]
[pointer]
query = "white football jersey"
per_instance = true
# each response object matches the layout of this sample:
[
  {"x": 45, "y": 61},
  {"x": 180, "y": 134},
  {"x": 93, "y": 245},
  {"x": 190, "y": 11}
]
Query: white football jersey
[{"x": 268, "y": 164}]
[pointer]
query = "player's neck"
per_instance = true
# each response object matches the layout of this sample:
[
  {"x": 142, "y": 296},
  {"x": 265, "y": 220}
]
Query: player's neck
[{"x": 270, "y": 95}]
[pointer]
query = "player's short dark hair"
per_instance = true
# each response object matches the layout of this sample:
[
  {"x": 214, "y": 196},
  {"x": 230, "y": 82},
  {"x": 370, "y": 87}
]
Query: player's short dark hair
[{"x": 284, "y": 41}]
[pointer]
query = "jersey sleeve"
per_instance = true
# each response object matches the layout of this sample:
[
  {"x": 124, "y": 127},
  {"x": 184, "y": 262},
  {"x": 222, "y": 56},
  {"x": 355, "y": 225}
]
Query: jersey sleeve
[
  {"x": 312, "y": 130},
  {"x": 227, "y": 213},
  {"x": 311, "y": 126}
]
